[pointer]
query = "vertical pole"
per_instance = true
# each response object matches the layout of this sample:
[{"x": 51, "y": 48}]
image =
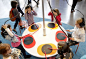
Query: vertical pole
[{"x": 44, "y": 32}]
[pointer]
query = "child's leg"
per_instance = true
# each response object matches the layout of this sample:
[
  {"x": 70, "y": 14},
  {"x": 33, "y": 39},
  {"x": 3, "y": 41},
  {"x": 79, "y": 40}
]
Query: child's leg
[
  {"x": 73, "y": 43},
  {"x": 23, "y": 51},
  {"x": 16, "y": 23}
]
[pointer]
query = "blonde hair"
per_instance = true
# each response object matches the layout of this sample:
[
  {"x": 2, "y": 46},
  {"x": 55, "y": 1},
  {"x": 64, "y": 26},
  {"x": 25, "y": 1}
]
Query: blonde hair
[
  {"x": 79, "y": 20},
  {"x": 3, "y": 48}
]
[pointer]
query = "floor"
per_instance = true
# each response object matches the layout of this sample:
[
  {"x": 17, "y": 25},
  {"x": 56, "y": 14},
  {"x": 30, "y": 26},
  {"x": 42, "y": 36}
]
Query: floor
[{"x": 64, "y": 8}]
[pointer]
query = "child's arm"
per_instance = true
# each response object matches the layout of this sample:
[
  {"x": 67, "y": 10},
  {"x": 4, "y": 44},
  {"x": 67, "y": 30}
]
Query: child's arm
[
  {"x": 50, "y": 13},
  {"x": 81, "y": 39},
  {"x": 26, "y": 17},
  {"x": 34, "y": 13},
  {"x": 8, "y": 30}
]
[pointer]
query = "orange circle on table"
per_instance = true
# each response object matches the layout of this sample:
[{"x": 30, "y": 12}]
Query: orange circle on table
[
  {"x": 63, "y": 35},
  {"x": 39, "y": 49},
  {"x": 56, "y": 25},
  {"x": 30, "y": 45},
  {"x": 31, "y": 30}
]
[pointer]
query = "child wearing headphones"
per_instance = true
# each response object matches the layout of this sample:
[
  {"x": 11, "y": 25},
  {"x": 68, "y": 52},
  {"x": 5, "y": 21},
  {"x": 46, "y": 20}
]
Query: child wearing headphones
[
  {"x": 29, "y": 12},
  {"x": 78, "y": 34},
  {"x": 13, "y": 38},
  {"x": 57, "y": 15},
  {"x": 7, "y": 52}
]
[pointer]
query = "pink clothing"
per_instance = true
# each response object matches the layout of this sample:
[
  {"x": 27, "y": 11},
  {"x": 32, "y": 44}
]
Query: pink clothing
[
  {"x": 17, "y": 43},
  {"x": 29, "y": 17},
  {"x": 58, "y": 18}
]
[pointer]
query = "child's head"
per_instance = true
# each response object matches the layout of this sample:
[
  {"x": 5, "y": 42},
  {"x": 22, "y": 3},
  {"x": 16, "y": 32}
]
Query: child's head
[
  {"x": 5, "y": 49},
  {"x": 28, "y": 9},
  {"x": 56, "y": 12},
  {"x": 13, "y": 4},
  {"x": 3, "y": 30},
  {"x": 80, "y": 23}
]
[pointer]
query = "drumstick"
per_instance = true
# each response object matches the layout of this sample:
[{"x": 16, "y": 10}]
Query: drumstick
[
  {"x": 52, "y": 49},
  {"x": 64, "y": 35},
  {"x": 45, "y": 54}
]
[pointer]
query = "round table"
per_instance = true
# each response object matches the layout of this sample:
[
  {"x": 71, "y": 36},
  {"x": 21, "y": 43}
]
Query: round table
[{"x": 38, "y": 45}]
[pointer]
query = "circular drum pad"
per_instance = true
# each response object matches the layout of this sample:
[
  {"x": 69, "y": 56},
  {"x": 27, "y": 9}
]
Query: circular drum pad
[
  {"x": 34, "y": 27},
  {"x": 51, "y": 25},
  {"x": 46, "y": 49},
  {"x": 60, "y": 36},
  {"x": 28, "y": 40}
]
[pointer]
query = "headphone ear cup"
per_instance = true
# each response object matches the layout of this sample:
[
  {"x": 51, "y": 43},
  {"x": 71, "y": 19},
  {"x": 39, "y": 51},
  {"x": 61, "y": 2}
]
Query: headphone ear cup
[{"x": 82, "y": 24}]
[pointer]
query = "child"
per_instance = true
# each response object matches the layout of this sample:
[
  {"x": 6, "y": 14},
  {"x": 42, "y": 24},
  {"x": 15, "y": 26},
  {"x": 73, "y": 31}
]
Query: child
[
  {"x": 29, "y": 12},
  {"x": 15, "y": 13},
  {"x": 13, "y": 38},
  {"x": 78, "y": 34},
  {"x": 57, "y": 15},
  {"x": 7, "y": 52}
]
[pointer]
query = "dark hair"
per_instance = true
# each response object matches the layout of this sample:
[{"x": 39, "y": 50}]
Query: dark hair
[
  {"x": 3, "y": 33},
  {"x": 28, "y": 6},
  {"x": 13, "y": 4}
]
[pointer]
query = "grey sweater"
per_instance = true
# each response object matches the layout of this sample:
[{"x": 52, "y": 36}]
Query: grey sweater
[{"x": 16, "y": 13}]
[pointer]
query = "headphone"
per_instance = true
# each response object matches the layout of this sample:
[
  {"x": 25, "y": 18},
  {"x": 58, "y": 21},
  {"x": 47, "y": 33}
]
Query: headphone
[{"x": 82, "y": 24}]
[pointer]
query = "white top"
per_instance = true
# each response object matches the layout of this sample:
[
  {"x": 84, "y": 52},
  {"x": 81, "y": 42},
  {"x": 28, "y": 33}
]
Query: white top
[
  {"x": 11, "y": 36},
  {"x": 78, "y": 34}
]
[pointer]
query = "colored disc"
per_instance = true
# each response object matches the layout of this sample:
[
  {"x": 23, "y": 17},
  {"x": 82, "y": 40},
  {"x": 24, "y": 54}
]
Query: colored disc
[
  {"x": 46, "y": 49},
  {"x": 60, "y": 36},
  {"x": 34, "y": 27},
  {"x": 28, "y": 40},
  {"x": 51, "y": 25}
]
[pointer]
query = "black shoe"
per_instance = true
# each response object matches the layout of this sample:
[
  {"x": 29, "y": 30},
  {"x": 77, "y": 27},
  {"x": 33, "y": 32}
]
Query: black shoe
[
  {"x": 14, "y": 30},
  {"x": 27, "y": 56},
  {"x": 72, "y": 11}
]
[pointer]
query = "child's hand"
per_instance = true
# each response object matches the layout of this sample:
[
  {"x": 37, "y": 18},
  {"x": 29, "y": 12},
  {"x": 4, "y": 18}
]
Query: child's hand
[
  {"x": 20, "y": 37},
  {"x": 4, "y": 26},
  {"x": 68, "y": 30},
  {"x": 25, "y": 10},
  {"x": 72, "y": 39}
]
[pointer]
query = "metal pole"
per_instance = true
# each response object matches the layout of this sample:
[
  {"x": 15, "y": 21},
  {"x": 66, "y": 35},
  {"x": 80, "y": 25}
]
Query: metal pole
[{"x": 44, "y": 32}]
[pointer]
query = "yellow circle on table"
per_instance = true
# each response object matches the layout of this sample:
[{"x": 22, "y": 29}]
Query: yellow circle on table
[
  {"x": 39, "y": 49},
  {"x": 31, "y": 30}
]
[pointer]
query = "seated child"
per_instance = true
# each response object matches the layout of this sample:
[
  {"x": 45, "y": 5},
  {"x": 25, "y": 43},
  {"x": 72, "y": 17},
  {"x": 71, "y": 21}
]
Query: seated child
[
  {"x": 57, "y": 15},
  {"x": 78, "y": 34},
  {"x": 7, "y": 52},
  {"x": 29, "y": 12},
  {"x": 13, "y": 38}
]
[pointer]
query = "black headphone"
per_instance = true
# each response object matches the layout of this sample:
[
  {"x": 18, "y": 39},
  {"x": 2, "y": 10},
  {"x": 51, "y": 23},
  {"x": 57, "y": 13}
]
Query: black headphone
[{"x": 82, "y": 24}]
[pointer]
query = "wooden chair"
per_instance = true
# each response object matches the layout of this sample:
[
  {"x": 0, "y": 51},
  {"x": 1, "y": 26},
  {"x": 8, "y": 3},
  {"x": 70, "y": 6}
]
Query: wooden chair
[{"x": 77, "y": 48}]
